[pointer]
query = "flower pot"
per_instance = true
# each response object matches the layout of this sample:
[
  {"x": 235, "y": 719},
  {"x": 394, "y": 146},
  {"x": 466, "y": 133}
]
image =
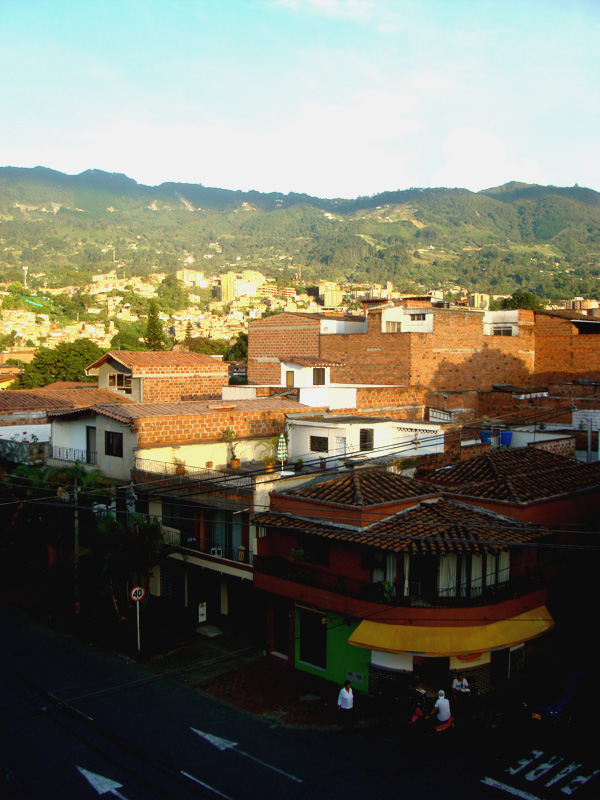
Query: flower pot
[
  {"x": 269, "y": 467},
  {"x": 180, "y": 471},
  {"x": 209, "y": 465},
  {"x": 234, "y": 463}
]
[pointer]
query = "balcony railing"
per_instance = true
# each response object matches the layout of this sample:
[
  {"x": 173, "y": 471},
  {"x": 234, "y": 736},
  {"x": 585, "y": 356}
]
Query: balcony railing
[
  {"x": 74, "y": 454},
  {"x": 385, "y": 592},
  {"x": 194, "y": 473},
  {"x": 33, "y": 454},
  {"x": 237, "y": 553}
]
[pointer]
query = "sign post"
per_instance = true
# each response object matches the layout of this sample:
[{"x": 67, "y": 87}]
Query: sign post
[{"x": 137, "y": 594}]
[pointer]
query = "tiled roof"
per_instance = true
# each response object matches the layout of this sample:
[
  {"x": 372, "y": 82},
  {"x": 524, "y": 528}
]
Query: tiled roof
[
  {"x": 46, "y": 399},
  {"x": 528, "y": 487},
  {"x": 498, "y": 464},
  {"x": 365, "y": 487},
  {"x": 157, "y": 358},
  {"x": 430, "y": 528},
  {"x": 131, "y": 411},
  {"x": 517, "y": 476}
]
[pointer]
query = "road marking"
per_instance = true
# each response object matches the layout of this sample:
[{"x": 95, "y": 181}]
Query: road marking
[
  {"x": 205, "y": 785},
  {"x": 510, "y": 789},
  {"x": 225, "y": 744},
  {"x": 102, "y": 784}
]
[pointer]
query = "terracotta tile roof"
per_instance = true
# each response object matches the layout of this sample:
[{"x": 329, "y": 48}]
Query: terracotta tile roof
[
  {"x": 157, "y": 358},
  {"x": 365, "y": 487},
  {"x": 498, "y": 464},
  {"x": 525, "y": 488},
  {"x": 132, "y": 411},
  {"x": 47, "y": 399},
  {"x": 432, "y": 527},
  {"x": 517, "y": 476}
]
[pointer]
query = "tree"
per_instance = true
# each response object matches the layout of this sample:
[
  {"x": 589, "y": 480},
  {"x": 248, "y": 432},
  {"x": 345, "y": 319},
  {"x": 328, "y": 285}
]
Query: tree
[
  {"x": 154, "y": 336},
  {"x": 238, "y": 351},
  {"x": 523, "y": 299},
  {"x": 67, "y": 362}
]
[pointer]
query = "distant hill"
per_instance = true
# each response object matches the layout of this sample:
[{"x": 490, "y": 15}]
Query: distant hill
[{"x": 543, "y": 238}]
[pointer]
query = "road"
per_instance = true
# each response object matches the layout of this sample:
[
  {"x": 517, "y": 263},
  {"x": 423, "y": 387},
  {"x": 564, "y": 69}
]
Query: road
[{"x": 79, "y": 723}]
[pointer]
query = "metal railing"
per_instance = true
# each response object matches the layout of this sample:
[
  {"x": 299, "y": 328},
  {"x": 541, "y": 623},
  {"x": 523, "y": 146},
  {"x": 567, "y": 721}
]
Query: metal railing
[
  {"x": 237, "y": 553},
  {"x": 383, "y": 591},
  {"x": 191, "y": 473},
  {"x": 74, "y": 454}
]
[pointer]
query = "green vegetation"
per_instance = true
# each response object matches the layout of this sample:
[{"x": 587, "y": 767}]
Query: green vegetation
[
  {"x": 66, "y": 362},
  {"x": 154, "y": 336},
  {"x": 66, "y": 228}
]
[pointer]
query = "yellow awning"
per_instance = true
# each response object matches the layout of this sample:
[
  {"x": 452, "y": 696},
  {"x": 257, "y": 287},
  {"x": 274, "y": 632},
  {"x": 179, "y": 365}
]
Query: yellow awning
[{"x": 452, "y": 641}]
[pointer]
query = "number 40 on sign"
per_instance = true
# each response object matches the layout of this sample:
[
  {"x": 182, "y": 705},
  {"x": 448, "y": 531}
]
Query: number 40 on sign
[{"x": 137, "y": 593}]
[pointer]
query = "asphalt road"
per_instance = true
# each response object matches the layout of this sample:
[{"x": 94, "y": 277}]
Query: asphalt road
[{"x": 78, "y": 723}]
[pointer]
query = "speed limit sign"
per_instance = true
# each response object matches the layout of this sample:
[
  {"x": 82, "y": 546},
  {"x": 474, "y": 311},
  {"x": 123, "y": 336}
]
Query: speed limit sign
[{"x": 137, "y": 593}]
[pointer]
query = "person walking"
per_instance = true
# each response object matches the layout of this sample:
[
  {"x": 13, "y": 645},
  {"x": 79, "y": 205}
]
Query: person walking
[{"x": 345, "y": 705}]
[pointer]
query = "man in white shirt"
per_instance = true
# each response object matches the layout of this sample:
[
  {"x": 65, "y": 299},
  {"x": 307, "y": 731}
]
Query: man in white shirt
[
  {"x": 345, "y": 704},
  {"x": 442, "y": 706},
  {"x": 460, "y": 686}
]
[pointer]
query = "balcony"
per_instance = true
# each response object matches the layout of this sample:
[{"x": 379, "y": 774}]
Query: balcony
[
  {"x": 33, "y": 454},
  {"x": 73, "y": 454},
  {"x": 237, "y": 553},
  {"x": 168, "y": 469},
  {"x": 385, "y": 592}
]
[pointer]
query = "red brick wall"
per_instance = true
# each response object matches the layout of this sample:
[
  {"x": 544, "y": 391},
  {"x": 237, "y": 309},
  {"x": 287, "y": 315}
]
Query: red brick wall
[
  {"x": 562, "y": 447},
  {"x": 209, "y": 427},
  {"x": 279, "y": 336},
  {"x": 563, "y": 352},
  {"x": 204, "y": 383}
]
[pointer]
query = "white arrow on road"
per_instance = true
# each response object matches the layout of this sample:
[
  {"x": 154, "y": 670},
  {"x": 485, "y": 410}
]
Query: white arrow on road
[
  {"x": 101, "y": 784},
  {"x": 225, "y": 744}
]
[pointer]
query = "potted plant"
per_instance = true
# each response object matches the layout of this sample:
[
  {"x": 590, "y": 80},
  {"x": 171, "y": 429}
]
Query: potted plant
[
  {"x": 270, "y": 458},
  {"x": 323, "y": 462},
  {"x": 179, "y": 466},
  {"x": 228, "y": 435},
  {"x": 298, "y": 465}
]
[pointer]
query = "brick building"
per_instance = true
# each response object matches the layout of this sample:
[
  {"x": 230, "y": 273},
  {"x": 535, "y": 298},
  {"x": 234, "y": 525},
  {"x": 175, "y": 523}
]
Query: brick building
[
  {"x": 161, "y": 377},
  {"x": 373, "y": 576}
]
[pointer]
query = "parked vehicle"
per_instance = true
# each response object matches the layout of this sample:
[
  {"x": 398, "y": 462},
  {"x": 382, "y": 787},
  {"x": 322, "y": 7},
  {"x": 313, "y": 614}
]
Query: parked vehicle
[{"x": 557, "y": 705}]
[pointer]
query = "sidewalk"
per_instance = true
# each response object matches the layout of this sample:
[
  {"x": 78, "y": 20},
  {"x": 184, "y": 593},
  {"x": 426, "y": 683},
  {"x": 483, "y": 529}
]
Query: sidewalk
[{"x": 233, "y": 671}]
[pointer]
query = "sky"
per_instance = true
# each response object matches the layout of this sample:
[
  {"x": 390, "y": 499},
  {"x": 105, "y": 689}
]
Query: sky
[{"x": 335, "y": 98}]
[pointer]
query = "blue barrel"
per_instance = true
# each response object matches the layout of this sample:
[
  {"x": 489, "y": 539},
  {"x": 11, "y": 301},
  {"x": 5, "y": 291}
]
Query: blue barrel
[
  {"x": 486, "y": 437},
  {"x": 505, "y": 438}
]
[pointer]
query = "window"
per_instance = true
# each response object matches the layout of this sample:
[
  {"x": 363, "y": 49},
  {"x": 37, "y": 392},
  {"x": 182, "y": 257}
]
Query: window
[
  {"x": 319, "y": 376},
  {"x": 171, "y": 515},
  {"x": 393, "y": 327},
  {"x": 319, "y": 444},
  {"x": 289, "y": 379},
  {"x": 113, "y": 444},
  {"x": 502, "y": 330},
  {"x": 420, "y": 317},
  {"x": 366, "y": 439},
  {"x": 122, "y": 383}
]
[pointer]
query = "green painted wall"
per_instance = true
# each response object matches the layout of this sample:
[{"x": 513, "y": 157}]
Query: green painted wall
[{"x": 340, "y": 655}]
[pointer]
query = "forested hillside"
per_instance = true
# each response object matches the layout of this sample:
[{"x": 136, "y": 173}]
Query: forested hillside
[{"x": 543, "y": 238}]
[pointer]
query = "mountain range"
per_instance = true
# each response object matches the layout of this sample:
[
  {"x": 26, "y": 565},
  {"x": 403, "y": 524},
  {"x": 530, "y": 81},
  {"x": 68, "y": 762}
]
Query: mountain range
[{"x": 543, "y": 238}]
